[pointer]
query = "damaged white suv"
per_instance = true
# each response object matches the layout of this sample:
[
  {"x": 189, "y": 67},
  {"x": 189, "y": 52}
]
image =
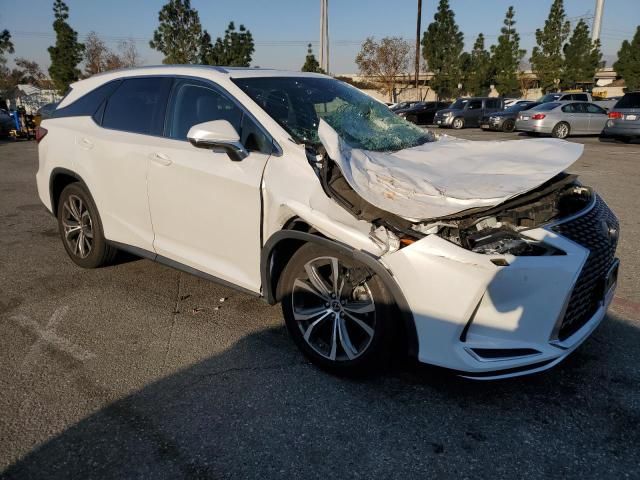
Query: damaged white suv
[{"x": 484, "y": 257}]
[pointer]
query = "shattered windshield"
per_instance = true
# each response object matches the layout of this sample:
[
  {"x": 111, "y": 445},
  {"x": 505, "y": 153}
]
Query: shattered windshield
[{"x": 298, "y": 104}]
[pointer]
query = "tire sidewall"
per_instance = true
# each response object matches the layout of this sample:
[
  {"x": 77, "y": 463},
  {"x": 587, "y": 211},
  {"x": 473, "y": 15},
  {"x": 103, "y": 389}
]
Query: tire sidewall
[
  {"x": 378, "y": 350},
  {"x": 99, "y": 246},
  {"x": 458, "y": 123}
]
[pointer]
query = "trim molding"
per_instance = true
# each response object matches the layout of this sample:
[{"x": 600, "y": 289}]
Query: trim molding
[{"x": 140, "y": 252}]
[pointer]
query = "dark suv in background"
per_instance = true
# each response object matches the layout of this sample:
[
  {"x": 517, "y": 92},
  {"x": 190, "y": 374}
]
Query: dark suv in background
[
  {"x": 467, "y": 112},
  {"x": 422, "y": 113},
  {"x": 624, "y": 118}
]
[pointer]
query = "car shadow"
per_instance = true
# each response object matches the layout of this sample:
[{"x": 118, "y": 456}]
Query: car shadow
[{"x": 258, "y": 410}]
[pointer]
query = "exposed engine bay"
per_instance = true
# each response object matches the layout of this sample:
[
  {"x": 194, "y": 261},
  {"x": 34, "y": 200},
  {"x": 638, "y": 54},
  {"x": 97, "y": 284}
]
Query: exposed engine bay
[{"x": 499, "y": 229}]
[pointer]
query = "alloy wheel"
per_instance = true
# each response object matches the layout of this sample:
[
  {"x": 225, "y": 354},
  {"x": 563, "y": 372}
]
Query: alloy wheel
[
  {"x": 334, "y": 309},
  {"x": 562, "y": 130},
  {"x": 78, "y": 226}
]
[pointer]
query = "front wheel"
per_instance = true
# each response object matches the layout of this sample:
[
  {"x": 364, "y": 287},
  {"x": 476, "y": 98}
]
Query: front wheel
[
  {"x": 561, "y": 130},
  {"x": 336, "y": 309},
  {"x": 458, "y": 123}
]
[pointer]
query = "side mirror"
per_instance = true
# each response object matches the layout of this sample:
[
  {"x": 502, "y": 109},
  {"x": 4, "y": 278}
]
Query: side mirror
[{"x": 218, "y": 134}]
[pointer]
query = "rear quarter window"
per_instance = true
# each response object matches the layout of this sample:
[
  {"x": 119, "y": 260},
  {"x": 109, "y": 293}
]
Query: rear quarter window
[{"x": 89, "y": 103}]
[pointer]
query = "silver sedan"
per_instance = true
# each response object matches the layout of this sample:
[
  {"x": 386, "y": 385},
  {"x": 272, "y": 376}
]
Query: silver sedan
[{"x": 561, "y": 119}]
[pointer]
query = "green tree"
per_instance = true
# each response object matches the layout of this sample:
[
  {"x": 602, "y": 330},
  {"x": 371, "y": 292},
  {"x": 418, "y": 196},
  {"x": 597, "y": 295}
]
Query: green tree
[
  {"x": 442, "y": 46},
  {"x": 506, "y": 56},
  {"x": 67, "y": 53},
  {"x": 234, "y": 49},
  {"x": 546, "y": 58},
  {"x": 179, "y": 33},
  {"x": 628, "y": 63},
  {"x": 5, "y": 46},
  {"x": 310, "y": 62},
  {"x": 581, "y": 57},
  {"x": 476, "y": 66}
]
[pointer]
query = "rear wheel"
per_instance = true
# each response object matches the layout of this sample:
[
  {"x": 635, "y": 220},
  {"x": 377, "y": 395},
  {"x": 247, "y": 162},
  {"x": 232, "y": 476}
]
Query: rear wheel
[
  {"x": 508, "y": 126},
  {"x": 81, "y": 229},
  {"x": 561, "y": 130},
  {"x": 458, "y": 123},
  {"x": 336, "y": 309}
]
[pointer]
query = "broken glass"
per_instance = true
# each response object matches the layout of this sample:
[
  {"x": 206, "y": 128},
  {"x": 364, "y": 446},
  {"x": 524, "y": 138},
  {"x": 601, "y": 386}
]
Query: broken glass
[{"x": 298, "y": 104}]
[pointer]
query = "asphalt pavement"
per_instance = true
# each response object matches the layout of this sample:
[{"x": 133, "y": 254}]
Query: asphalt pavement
[{"x": 138, "y": 371}]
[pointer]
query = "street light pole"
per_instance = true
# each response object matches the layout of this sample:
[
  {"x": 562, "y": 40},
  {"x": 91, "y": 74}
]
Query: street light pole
[
  {"x": 418, "y": 42},
  {"x": 597, "y": 21},
  {"x": 324, "y": 35}
]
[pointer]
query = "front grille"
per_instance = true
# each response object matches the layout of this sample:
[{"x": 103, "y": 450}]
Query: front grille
[{"x": 590, "y": 230}]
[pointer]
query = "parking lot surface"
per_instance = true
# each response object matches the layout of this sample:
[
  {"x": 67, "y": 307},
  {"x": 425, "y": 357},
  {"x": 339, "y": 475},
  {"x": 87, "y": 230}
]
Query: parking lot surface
[{"x": 139, "y": 371}]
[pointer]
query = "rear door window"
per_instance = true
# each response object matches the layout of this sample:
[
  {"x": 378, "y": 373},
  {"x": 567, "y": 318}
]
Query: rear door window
[
  {"x": 570, "y": 108},
  {"x": 493, "y": 103},
  {"x": 581, "y": 97},
  {"x": 138, "y": 106}
]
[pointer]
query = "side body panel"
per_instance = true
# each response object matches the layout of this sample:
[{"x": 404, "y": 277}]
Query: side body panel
[
  {"x": 114, "y": 165},
  {"x": 206, "y": 210}
]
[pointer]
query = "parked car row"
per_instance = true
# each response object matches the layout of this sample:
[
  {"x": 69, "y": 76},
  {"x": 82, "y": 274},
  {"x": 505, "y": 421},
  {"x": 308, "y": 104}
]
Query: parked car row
[{"x": 557, "y": 114}]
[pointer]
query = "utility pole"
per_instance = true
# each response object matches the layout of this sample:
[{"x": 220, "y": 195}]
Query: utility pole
[
  {"x": 324, "y": 35},
  {"x": 597, "y": 21},
  {"x": 418, "y": 25}
]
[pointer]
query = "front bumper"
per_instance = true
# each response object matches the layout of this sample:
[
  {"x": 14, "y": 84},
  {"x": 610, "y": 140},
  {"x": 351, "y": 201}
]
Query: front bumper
[
  {"x": 442, "y": 121},
  {"x": 486, "y": 321}
]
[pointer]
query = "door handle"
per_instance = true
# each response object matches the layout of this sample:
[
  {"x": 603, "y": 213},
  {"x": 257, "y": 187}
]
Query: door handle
[
  {"x": 161, "y": 159},
  {"x": 85, "y": 143}
]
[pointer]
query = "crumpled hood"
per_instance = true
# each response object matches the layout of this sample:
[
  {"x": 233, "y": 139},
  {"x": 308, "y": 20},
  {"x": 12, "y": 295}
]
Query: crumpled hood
[{"x": 449, "y": 175}]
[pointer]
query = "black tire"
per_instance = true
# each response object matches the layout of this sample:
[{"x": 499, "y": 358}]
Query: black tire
[
  {"x": 76, "y": 201},
  {"x": 372, "y": 348},
  {"x": 457, "y": 123},
  {"x": 561, "y": 130},
  {"x": 508, "y": 126}
]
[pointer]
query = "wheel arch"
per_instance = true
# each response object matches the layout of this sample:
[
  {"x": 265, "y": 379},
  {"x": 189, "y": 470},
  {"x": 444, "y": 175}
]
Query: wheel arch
[
  {"x": 58, "y": 180},
  {"x": 278, "y": 249}
]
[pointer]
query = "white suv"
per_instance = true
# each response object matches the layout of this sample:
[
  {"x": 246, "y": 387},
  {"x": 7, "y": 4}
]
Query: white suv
[{"x": 483, "y": 257}]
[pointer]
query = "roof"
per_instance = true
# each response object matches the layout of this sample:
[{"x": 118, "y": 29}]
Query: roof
[
  {"x": 216, "y": 73},
  {"x": 231, "y": 72}
]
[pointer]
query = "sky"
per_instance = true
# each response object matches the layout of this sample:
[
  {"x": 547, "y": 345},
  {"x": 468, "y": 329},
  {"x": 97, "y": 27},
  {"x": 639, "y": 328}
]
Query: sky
[{"x": 282, "y": 28}]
